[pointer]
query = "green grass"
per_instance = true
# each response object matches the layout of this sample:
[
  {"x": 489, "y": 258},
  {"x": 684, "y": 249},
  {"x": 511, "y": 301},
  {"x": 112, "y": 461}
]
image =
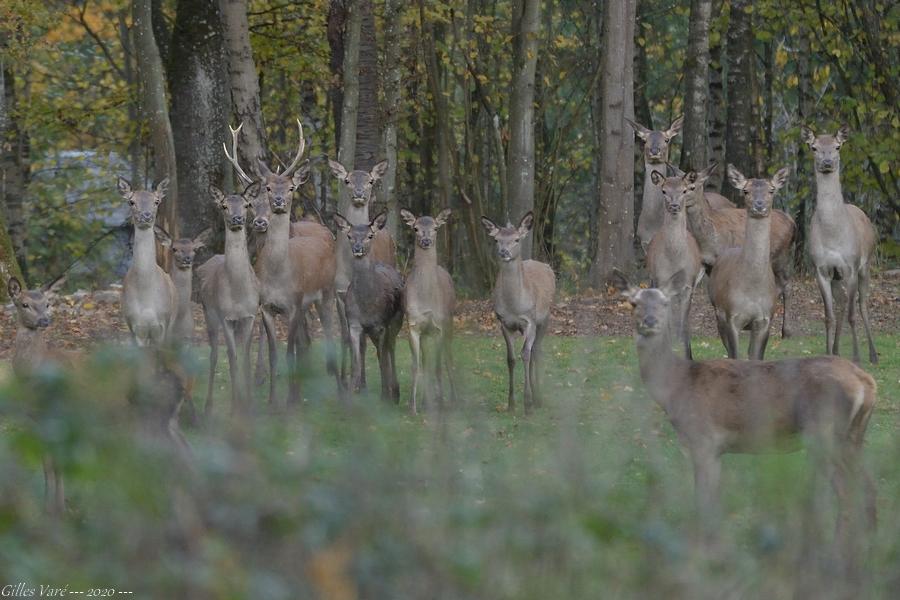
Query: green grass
[{"x": 588, "y": 497}]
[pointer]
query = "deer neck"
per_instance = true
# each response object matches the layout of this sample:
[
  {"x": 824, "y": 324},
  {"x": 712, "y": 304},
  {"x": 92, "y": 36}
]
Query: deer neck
[
  {"x": 674, "y": 231},
  {"x": 144, "y": 261},
  {"x": 829, "y": 198},
  {"x": 275, "y": 255},
  {"x": 425, "y": 275},
  {"x": 511, "y": 276},
  {"x": 755, "y": 251},
  {"x": 659, "y": 366},
  {"x": 701, "y": 225},
  {"x": 424, "y": 260},
  {"x": 363, "y": 276},
  {"x": 29, "y": 350},
  {"x": 652, "y": 199},
  {"x": 183, "y": 280},
  {"x": 358, "y": 215}
]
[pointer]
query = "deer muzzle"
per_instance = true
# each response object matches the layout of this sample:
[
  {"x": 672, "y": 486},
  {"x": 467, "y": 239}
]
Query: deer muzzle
[
  {"x": 504, "y": 254},
  {"x": 144, "y": 219},
  {"x": 358, "y": 250},
  {"x": 43, "y": 322},
  {"x": 260, "y": 225},
  {"x": 236, "y": 222},
  {"x": 425, "y": 243}
]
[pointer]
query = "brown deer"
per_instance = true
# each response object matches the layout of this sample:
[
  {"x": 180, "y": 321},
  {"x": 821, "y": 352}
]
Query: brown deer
[
  {"x": 656, "y": 156},
  {"x": 742, "y": 286},
  {"x": 294, "y": 273},
  {"x": 523, "y": 295},
  {"x": 181, "y": 271},
  {"x": 718, "y": 229},
  {"x": 841, "y": 243},
  {"x": 30, "y": 353},
  {"x": 374, "y": 304},
  {"x": 726, "y": 406},
  {"x": 429, "y": 301},
  {"x": 148, "y": 294},
  {"x": 229, "y": 292},
  {"x": 674, "y": 249},
  {"x": 360, "y": 186}
]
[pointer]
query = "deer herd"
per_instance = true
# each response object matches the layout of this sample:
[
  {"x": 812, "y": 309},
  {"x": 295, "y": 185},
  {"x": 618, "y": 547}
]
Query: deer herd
[{"x": 715, "y": 406}]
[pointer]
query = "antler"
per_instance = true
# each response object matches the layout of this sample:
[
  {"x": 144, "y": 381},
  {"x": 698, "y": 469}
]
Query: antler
[
  {"x": 233, "y": 157},
  {"x": 300, "y": 149}
]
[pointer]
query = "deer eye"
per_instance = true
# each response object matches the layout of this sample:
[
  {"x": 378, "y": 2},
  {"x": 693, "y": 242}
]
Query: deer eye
[
  {"x": 290, "y": 188},
  {"x": 25, "y": 305},
  {"x": 347, "y": 180},
  {"x": 268, "y": 188}
]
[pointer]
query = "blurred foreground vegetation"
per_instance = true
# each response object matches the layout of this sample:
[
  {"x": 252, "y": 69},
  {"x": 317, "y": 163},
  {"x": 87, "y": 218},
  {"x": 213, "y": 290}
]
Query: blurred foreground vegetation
[{"x": 590, "y": 497}]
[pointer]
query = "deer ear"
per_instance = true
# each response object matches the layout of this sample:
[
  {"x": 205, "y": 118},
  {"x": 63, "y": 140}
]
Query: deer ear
[
  {"x": 675, "y": 128},
  {"x": 843, "y": 134},
  {"x": 780, "y": 178},
  {"x": 162, "y": 235},
  {"x": 641, "y": 131},
  {"x": 124, "y": 187},
  {"x": 657, "y": 178},
  {"x": 341, "y": 223},
  {"x": 262, "y": 167},
  {"x": 338, "y": 169},
  {"x": 252, "y": 191},
  {"x": 705, "y": 173},
  {"x": 13, "y": 287},
  {"x": 379, "y": 170},
  {"x": 490, "y": 227},
  {"x": 526, "y": 223},
  {"x": 675, "y": 170},
  {"x": 161, "y": 188},
  {"x": 621, "y": 283},
  {"x": 378, "y": 222},
  {"x": 301, "y": 175},
  {"x": 443, "y": 217},
  {"x": 674, "y": 284},
  {"x": 736, "y": 178},
  {"x": 408, "y": 217},
  {"x": 54, "y": 286},
  {"x": 203, "y": 238},
  {"x": 217, "y": 195},
  {"x": 807, "y": 135}
]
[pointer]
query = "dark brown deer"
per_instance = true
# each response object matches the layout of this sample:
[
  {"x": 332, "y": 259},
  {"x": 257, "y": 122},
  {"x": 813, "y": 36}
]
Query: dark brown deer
[
  {"x": 841, "y": 243},
  {"x": 523, "y": 296}
]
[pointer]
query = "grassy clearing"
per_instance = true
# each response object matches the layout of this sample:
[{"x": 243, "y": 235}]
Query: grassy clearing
[{"x": 588, "y": 497}]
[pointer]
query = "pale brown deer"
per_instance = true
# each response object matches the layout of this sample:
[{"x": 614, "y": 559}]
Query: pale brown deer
[
  {"x": 728, "y": 406},
  {"x": 148, "y": 294},
  {"x": 674, "y": 249},
  {"x": 181, "y": 271},
  {"x": 718, "y": 229},
  {"x": 374, "y": 304},
  {"x": 742, "y": 286},
  {"x": 30, "y": 354},
  {"x": 523, "y": 296},
  {"x": 429, "y": 300},
  {"x": 841, "y": 243}
]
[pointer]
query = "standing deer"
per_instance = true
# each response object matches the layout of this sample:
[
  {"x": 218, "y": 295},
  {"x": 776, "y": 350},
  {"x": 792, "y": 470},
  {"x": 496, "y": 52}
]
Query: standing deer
[
  {"x": 727, "y": 406},
  {"x": 674, "y": 249},
  {"x": 841, "y": 243},
  {"x": 742, "y": 286},
  {"x": 30, "y": 354},
  {"x": 656, "y": 156},
  {"x": 294, "y": 273},
  {"x": 148, "y": 295},
  {"x": 718, "y": 229},
  {"x": 374, "y": 304},
  {"x": 229, "y": 291},
  {"x": 429, "y": 300},
  {"x": 523, "y": 295},
  {"x": 181, "y": 271},
  {"x": 360, "y": 186}
]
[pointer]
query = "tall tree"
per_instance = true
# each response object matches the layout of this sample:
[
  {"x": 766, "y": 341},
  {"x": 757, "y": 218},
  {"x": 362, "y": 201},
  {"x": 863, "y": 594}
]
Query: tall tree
[
  {"x": 15, "y": 168},
  {"x": 525, "y": 31},
  {"x": 199, "y": 84},
  {"x": 155, "y": 109},
  {"x": 392, "y": 91},
  {"x": 716, "y": 101},
  {"x": 696, "y": 79},
  {"x": 368, "y": 132},
  {"x": 614, "y": 237},
  {"x": 244, "y": 81},
  {"x": 350, "y": 95},
  {"x": 739, "y": 121},
  {"x": 335, "y": 31}
]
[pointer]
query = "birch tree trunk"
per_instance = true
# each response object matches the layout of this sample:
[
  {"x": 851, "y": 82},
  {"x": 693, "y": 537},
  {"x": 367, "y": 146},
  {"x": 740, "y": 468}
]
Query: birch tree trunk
[
  {"x": 615, "y": 197},
  {"x": 696, "y": 66},
  {"x": 525, "y": 30}
]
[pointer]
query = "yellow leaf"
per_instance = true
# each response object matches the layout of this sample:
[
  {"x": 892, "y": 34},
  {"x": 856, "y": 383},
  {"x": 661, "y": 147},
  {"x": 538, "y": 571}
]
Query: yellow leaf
[{"x": 781, "y": 57}]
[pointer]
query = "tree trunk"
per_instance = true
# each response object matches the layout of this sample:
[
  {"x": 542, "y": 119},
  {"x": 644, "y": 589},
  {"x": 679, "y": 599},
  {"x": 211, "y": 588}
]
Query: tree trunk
[
  {"x": 198, "y": 81},
  {"x": 15, "y": 171},
  {"x": 368, "y": 134},
  {"x": 615, "y": 198},
  {"x": 739, "y": 121},
  {"x": 392, "y": 91},
  {"x": 805, "y": 114},
  {"x": 642, "y": 111},
  {"x": 716, "y": 106},
  {"x": 155, "y": 110},
  {"x": 337, "y": 21},
  {"x": 525, "y": 30},
  {"x": 347, "y": 145},
  {"x": 696, "y": 66},
  {"x": 9, "y": 266},
  {"x": 244, "y": 82}
]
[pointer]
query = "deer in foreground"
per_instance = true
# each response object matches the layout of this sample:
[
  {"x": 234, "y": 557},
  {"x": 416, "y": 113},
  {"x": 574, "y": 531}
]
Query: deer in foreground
[
  {"x": 656, "y": 157},
  {"x": 716, "y": 230},
  {"x": 360, "y": 186},
  {"x": 293, "y": 273},
  {"x": 674, "y": 249},
  {"x": 429, "y": 301},
  {"x": 742, "y": 286},
  {"x": 30, "y": 353},
  {"x": 229, "y": 291},
  {"x": 726, "y": 406},
  {"x": 523, "y": 295},
  {"x": 148, "y": 294},
  {"x": 374, "y": 304},
  {"x": 841, "y": 243}
]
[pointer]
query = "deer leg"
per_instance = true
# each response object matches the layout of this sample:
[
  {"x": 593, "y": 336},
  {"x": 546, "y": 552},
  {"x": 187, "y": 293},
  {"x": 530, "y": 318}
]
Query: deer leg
[
  {"x": 326, "y": 317},
  {"x": 54, "y": 494},
  {"x": 231, "y": 348},
  {"x": 381, "y": 352},
  {"x": 415, "y": 348},
  {"x": 244, "y": 341},
  {"x": 510, "y": 366},
  {"x": 268, "y": 320},
  {"x": 707, "y": 471},
  {"x": 362, "y": 362},
  {"x": 863, "y": 296},
  {"x": 295, "y": 326},
  {"x": 852, "y": 297},
  {"x": 784, "y": 284},
  {"x": 823, "y": 279},
  {"x": 685, "y": 325},
  {"x": 437, "y": 370},
  {"x": 847, "y": 532},
  {"x": 537, "y": 355},
  {"x": 212, "y": 332},
  {"x": 260, "y": 375},
  {"x": 391, "y": 346},
  {"x": 730, "y": 336},
  {"x": 527, "y": 347},
  {"x": 447, "y": 341},
  {"x": 355, "y": 332},
  {"x": 759, "y": 338},
  {"x": 346, "y": 352},
  {"x": 840, "y": 307}
]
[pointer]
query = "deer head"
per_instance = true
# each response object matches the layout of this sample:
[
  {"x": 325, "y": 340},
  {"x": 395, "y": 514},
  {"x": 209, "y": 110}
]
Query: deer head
[
  {"x": 651, "y": 306},
  {"x": 361, "y": 236},
  {"x": 758, "y": 193},
  {"x": 826, "y": 147},
  {"x": 508, "y": 239},
  {"x": 34, "y": 307},
  {"x": 426, "y": 227},
  {"x": 183, "y": 249},
  {"x": 656, "y": 143},
  {"x": 235, "y": 207},
  {"x": 143, "y": 203},
  {"x": 691, "y": 182},
  {"x": 360, "y": 183}
]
